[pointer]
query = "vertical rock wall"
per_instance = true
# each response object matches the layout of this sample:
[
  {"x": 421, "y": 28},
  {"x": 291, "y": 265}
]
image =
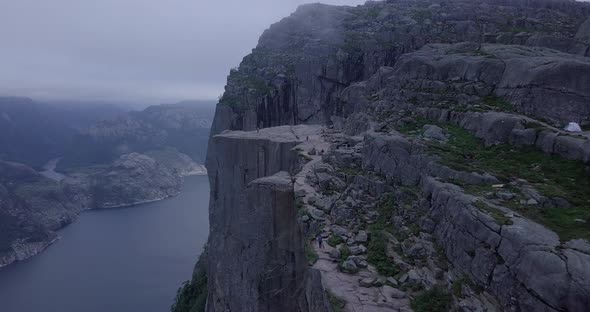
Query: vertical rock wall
[{"x": 256, "y": 259}]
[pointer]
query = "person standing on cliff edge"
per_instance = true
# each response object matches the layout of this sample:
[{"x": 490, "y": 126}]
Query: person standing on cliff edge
[{"x": 320, "y": 240}]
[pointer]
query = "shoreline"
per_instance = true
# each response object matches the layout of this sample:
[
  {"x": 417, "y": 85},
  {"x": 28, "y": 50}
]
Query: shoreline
[
  {"x": 47, "y": 244},
  {"x": 43, "y": 247}
]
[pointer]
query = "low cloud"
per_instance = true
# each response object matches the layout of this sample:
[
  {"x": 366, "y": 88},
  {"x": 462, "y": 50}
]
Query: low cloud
[{"x": 148, "y": 51}]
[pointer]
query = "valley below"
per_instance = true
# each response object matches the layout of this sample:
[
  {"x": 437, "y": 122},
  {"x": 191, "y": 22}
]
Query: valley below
[
  {"x": 119, "y": 260},
  {"x": 136, "y": 157}
]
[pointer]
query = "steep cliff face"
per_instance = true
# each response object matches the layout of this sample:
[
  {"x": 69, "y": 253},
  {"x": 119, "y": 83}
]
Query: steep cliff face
[
  {"x": 256, "y": 259},
  {"x": 301, "y": 64},
  {"x": 432, "y": 177}
]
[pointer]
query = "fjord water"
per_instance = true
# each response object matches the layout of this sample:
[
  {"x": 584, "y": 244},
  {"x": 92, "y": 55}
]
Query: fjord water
[{"x": 119, "y": 260}]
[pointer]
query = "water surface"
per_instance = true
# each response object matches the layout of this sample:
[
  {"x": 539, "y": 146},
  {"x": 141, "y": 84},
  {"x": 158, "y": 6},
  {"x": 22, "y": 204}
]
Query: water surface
[{"x": 118, "y": 260}]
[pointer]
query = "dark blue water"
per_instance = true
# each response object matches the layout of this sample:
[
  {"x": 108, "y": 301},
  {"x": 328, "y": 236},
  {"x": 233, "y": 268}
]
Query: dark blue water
[{"x": 120, "y": 260}]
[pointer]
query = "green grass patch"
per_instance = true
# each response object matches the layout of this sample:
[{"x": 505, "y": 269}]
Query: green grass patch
[
  {"x": 497, "y": 103},
  {"x": 344, "y": 253},
  {"x": 351, "y": 171},
  {"x": 192, "y": 296},
  {"x": 377, "y": 247},
  {"x": 413, "y": 126},
  {"x": 457, "y": 286},
  {"x": 376, "y": 254},
  {"x": 335, "y": 240},
  {"x": 433, "y": 300},
  {"x": 310, "y": 254},
  {"x": 551, "y": 175},
  {"x": 337, "y": 303},
  {"x": 496, "y": 213}
]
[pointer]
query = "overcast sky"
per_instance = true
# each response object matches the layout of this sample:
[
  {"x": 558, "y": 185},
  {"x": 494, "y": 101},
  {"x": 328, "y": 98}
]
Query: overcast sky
[{"x": 148, "y": 51}]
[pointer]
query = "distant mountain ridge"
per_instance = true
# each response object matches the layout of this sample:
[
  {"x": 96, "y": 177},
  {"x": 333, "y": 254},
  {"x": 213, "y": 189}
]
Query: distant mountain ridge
[
  {"x": 33, "y": 133},
  {"x": 134, "y": 157},
  {"x": 183, "y": 126}
]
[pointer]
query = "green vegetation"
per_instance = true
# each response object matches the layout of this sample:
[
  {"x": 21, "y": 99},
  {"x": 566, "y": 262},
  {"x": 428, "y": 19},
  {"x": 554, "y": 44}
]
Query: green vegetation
[
  {"x": 458, "y": 286},
  {"x": 496, "y": 213},
  {"x": 441, "y": 258},
  {"x": 310, "y": 253},
  {"x": 377, "y": 249},
  {"x": 336, "y": 303},
  {"x": 433, "y": 300},
  {"x": 551, "y": 175},
  {"x": 412, "y": 127},
  {"x": 353, "y": 42},
  {"x": 335, "y": 240},
  {"x": 247, "y": 80},
  {"x": 373, "y": 12},
  {"x": 351, "y": 171},
  {"x": 192, "y": 296},
  {"x": 300, "y": 206},
  {"x": 344, "y": 253},
  {"x": 497, "y": 103}
]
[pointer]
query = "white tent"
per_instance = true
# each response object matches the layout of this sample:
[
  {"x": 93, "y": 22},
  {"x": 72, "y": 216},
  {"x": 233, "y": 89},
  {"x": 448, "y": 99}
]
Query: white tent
[{"x": 573, "y": 127}]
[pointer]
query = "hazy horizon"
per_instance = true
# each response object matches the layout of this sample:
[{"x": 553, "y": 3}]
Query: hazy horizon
[{"x": 130, "y": 51}]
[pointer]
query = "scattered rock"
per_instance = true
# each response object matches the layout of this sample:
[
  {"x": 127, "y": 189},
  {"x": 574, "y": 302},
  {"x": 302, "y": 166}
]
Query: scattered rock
[
  {"x": 397, "y": 294},
  {"x": 340, "y": 231},
  {"x": 392, "y": 281},
  {"x": 360, "y": 262},
  {"x": 505, "y": 195},
  {"x": 335, "y": 253},
  {"x": 315, "y": 213},
  {"x": 361, "y": 237},
  {"x": 367, "y": 282},
  {"x": 349, "y": 266},
  {"x": 433, "y": 132},
  {"x": 358, "y": 250}
]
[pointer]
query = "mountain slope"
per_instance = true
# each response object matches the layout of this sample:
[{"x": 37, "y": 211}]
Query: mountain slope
[
  {"x": 437, "y": 176},
  {"x": 34, "y": 133},
  {"x": 183, "y": 126}
]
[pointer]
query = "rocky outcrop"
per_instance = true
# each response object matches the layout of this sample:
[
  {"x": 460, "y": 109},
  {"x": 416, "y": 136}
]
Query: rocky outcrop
[
  {"x": 301, "y": 64},
  {"x": 406, "y": 90},
  {"x": 177, "y": 162},
  {"x": 133, "y": 179},
  {"x": 256, "y": 259},
  {"x": 537, "y": 82},
  {"x": 503, "y": 128},
  {"x": 32, "y": 208},
  {"x": 522, "y": 262}
]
